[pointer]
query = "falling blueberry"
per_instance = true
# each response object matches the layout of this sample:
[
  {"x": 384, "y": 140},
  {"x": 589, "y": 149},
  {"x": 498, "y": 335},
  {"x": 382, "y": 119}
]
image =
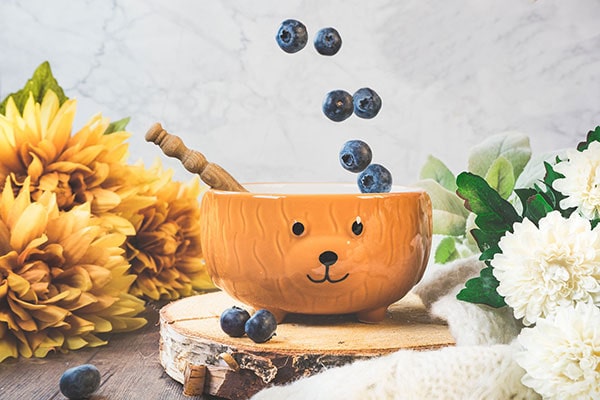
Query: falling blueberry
[
  {"x": 375, "y": 179},
  {"x": 80, "y": 382},
  {"x": 328, "y": 41},
  {"x": 292, "y": 36},
  {"x": 233, "y": 321},
  {"x": 367, "y": 103},
  {"x": 337, "y": 105},
  {"x": 355, "y": 155},
  {"x": 261, "y": 326}
]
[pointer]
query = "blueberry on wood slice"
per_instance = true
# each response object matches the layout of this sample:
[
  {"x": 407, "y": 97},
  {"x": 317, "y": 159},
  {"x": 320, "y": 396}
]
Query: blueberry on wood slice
[
  {"x": 233, "y": 321},
  {"x": 261, "y": 326}
]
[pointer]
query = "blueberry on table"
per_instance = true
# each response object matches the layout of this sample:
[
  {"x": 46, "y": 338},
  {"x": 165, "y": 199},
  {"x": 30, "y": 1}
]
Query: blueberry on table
[
  {"x": 261, "y": 326},
  {"x": 337, "y": 105},
  {"x": 233, "y": 321},
  {"x": 367, "y": 103},
  {"x": 292, "y": 36},
  {"x": 328, "y": 41},
  {"x": 375, "y": 179},
  {"x": 80, "y": 382},
  {"x": 355, "y": 155}
]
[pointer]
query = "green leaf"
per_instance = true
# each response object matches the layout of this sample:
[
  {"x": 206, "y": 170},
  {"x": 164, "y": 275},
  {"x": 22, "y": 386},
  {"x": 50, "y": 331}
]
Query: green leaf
[
  {"x": 41, "y": 81},
  {"x": 551, "y": 175},
  {"x": 525, "y": 193},
  {"x": 481, "y": 199},
  {"x": 438, "y": 171},
  {"x": 117, "y": 126},
  {"x": 449, "y": 213},
  {"x": 482, "y": 290},
  {"x": 501, "y": 177},
  {"x": 486, "y": 240},
  {"x": 535, "y": 169},
  {"x": 446, "y": 251},
  {"x": 442, "y": 198},
  {"x": 495, "y": 217},
  {"x": 448, "y": 224},
  {"x": 514, "y": 147},
  {"x": 592, "y": 136},
  {"x": 493, "y": 222},
  {"x": 536, "y": 208},
  {"x": 554, "y": 197}
]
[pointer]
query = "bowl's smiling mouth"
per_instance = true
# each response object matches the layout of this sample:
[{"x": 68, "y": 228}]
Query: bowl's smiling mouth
[
  {"x": 327, "y": 259},
  {"x": 326, "y": 277}
]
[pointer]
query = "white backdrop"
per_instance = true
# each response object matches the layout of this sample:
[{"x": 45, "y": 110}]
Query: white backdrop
[{"x": 449, "y": 72}]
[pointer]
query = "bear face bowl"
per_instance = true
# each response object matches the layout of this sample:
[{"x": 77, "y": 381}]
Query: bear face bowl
[{"x": 317, "y": 248}]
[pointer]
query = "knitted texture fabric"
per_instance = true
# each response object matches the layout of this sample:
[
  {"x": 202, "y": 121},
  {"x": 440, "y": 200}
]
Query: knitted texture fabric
[{"x": 480, "y": 366}]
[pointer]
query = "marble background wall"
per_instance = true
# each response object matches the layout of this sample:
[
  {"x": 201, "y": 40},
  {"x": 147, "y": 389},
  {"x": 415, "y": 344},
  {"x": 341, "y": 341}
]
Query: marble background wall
[{"x": 450, "y": 73}]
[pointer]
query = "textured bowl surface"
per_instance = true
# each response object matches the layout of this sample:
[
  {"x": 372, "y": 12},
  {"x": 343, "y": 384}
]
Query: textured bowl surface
[{"x": 320, "y": 248}]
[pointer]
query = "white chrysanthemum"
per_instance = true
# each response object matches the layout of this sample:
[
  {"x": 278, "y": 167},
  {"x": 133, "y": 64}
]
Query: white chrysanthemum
[
  {"x": 581, "y": 183},
  {"x": 542, "y": 268},
  {"x": 561, "y": 354}
]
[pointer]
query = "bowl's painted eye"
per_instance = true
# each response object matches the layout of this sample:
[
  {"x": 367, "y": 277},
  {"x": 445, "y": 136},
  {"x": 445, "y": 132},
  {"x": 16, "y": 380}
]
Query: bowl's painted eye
[
  {"x": 357, "y": 226},
  {"x": 298, "y": 228}
]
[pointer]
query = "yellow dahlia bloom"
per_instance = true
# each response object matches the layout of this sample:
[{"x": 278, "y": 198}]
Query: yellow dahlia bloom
[
  {"x": 166, "y": 254},
  {"x": 87, "y": 166},
  {"x": 63, "y": 276}
]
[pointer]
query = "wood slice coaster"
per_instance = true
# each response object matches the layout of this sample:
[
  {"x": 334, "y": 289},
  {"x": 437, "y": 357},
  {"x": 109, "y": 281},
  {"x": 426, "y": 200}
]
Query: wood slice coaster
[{"x": 196, "y": 352}]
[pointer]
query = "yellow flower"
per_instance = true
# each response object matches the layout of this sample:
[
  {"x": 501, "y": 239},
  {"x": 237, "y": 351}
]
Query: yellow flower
[
  {"x": 166, "y": 254},
  {"x": 63, "y": 277},
  {"x": 87, "y": 166}
]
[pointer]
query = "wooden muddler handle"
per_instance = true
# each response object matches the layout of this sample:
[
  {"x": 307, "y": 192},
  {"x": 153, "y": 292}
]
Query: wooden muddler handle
[{"x": 194, "y": 161}]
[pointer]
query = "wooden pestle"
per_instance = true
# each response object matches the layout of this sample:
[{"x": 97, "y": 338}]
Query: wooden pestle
[{"x": 194, "y": 161}]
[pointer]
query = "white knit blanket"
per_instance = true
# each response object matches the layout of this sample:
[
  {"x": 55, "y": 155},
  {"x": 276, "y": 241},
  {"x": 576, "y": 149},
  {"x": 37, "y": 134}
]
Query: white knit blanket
[{"x": 481, "y": 366}]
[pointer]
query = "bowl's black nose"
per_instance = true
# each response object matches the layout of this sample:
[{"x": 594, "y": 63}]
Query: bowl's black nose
[{"x": 328, "y": 258}]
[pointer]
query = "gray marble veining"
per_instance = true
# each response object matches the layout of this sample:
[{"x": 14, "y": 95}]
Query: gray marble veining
[{"x": 450, "y": 73}]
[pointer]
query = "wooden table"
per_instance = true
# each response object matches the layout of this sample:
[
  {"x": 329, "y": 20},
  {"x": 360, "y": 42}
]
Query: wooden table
[
  {"x": 129, "y": 365},
  {"x": 131, "y": 369}
]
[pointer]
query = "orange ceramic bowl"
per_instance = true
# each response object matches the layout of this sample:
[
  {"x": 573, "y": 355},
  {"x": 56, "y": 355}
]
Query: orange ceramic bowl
[{"x": 316, "y": 248}]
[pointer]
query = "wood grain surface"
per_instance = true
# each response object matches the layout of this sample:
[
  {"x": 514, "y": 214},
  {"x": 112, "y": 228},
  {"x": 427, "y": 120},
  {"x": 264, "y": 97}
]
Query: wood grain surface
[{"x": 129, "y": 366}]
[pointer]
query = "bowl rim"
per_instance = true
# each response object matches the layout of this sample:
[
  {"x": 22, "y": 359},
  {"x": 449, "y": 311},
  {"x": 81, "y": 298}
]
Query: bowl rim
[{"x": 344, "y": 189}]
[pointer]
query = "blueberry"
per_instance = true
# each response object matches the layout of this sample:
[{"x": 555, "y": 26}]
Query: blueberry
[
  {"x": 367, "y": 103},
  {"x": 328, "y": 41},
  {"x": 375, "y": 179},
  {"x": 261, "y": 326},
  {"x": 337, "y": 105},
  {"x": 355, "y": 155},
  {"x": 233, "y": 320},
  {"x": 80, "y": 382},
  {"x": 292, "y": 36}
]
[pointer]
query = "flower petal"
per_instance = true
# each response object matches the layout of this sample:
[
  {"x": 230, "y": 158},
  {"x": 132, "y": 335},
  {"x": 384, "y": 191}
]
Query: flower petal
[
  {"x": 8, "y": 346},
  {"x": 30, "y": 225}
]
